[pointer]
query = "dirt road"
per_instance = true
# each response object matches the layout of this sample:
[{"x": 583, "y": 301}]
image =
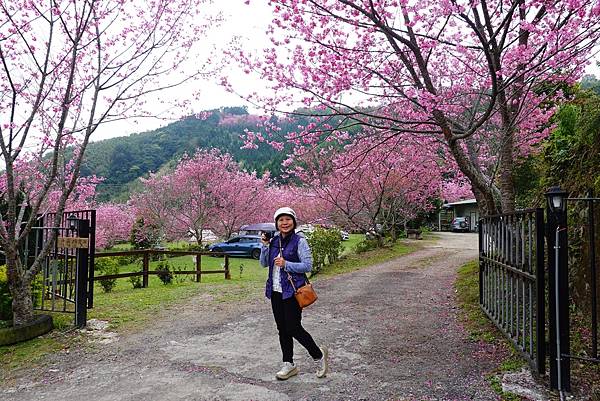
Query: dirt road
[{"x": 392, "y": 330}]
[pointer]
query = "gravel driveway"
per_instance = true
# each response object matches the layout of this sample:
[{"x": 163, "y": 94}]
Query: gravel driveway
[{"x": 392, "y": 330}]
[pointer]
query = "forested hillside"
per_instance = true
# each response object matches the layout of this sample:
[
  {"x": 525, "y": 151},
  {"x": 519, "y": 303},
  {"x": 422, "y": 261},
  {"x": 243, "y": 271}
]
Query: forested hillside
[{"x": 121, "y": 161}]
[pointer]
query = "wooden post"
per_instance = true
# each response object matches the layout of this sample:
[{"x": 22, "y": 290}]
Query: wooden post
[
  {"x": 198, "y": 268},
  {"x": 227, "y": 275},
  {"x": 145, "y": 268}
]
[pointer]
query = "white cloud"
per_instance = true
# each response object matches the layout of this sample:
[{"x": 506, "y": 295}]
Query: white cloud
[{"x": 244, "y": 23}]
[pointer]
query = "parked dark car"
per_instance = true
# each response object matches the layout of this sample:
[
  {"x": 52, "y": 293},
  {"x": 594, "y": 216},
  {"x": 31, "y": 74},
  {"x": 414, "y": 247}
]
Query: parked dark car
[
  {"x": 258, "y": 229},
  {"x": 460, "y": 224},
  {"x": 243, "y": 245}
]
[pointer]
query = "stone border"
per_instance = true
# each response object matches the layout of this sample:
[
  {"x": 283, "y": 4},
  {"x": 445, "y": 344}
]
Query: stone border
[{"x": 42, "y": 324}]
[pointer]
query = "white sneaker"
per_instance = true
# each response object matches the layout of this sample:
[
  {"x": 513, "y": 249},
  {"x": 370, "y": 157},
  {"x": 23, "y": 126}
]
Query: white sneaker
[
  {"x": 323, "y": 363},
  {"x": 287, "y": 370}
]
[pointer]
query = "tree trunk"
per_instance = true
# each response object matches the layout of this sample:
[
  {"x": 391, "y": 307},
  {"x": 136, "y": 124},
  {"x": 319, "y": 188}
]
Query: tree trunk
[
  {"x": 19, "y": 286},
  {"x": 22, "y": 305},
  {"x": 482, "y": 188},
  {"x": 485, "y": 202},
  {"x": 380, "y": 240},
  {"x": 506, "y": 180}
]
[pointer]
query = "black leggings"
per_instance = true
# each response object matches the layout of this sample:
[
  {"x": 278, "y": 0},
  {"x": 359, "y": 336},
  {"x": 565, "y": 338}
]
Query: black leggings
[{"x": 288, "y": 315}]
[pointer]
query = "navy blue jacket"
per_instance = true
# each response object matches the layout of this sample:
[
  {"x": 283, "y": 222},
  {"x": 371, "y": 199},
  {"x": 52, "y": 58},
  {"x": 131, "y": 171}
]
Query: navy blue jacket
[{"x": 298, "y": 261}]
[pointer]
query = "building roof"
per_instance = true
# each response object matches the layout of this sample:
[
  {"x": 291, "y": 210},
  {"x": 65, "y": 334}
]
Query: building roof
[
  {"x": 259, "y": 227},
  {"x": 462, "y": 202}
]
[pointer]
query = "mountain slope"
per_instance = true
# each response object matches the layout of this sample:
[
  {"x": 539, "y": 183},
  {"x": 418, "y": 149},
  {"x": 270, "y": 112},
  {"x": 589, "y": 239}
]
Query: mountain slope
[{"x": 121, "y": 161}]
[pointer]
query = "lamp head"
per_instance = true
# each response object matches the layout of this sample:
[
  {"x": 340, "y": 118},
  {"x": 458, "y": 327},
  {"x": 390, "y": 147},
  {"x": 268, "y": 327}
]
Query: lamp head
[
  {"x": 72, "y": 220},
  {"x": 557, "y": 199}
]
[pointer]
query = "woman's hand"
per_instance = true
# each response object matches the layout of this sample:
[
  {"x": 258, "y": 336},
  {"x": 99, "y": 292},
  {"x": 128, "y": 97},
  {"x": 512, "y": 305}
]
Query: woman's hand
[{"x": 280, "y": 262}]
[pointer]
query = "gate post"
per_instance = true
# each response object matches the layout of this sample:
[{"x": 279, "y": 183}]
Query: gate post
[
  {"x": 82, "y": 275},
  {"x": 558, "y": 283}
]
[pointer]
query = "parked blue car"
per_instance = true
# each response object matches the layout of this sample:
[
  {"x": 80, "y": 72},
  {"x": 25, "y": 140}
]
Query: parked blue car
[{"x": 243, "y": 245}]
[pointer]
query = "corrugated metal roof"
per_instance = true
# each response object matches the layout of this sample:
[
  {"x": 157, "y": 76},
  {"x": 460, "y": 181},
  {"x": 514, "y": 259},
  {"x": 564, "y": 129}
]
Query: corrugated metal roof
[{"x": 462, "y": 202}]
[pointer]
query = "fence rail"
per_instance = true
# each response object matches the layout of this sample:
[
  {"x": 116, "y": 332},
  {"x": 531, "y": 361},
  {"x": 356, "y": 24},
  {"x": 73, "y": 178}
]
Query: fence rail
[
  {"x": 146, "y": 256},
  {"x": 511, "y": 276}
]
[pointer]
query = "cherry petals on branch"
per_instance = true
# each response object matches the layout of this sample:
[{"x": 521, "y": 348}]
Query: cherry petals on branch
[{"x": 481, "y": 78}]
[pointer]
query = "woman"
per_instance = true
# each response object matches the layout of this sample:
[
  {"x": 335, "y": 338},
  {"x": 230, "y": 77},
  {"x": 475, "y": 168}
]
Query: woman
[{"x": 288, "y": 253}]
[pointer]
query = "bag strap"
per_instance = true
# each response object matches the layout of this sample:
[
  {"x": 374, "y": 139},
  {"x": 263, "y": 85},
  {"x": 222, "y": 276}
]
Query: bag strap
[{"x": 291, "y": 281}]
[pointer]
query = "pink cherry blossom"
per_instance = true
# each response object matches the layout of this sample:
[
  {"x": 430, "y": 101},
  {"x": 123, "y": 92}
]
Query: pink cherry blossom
[{"x": 480, "y": 78}]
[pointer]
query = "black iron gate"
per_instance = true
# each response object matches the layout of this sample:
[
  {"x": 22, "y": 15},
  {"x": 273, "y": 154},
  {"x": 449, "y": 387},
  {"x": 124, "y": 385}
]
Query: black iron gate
[
  {"x": 514, "y": 252},
  {"x": 586, "y": 211},
  {"x": 65, "y": 282},
  {"x": 511, "y": 277}
]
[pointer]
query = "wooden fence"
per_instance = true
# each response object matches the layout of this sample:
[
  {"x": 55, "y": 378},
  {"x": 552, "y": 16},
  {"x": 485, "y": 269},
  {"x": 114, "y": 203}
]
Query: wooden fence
[{"x": 146, "y": 256}]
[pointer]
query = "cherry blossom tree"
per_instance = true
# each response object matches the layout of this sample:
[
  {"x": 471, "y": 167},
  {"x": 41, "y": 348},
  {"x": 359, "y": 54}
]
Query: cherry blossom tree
[
  {"x": 478, "y": 76},
  {"x": 309, "y": 207},
  {"x": 241, "y": 199},
  {"x": 206, "y": 191},
  {"x": 29, "y": 179},
  {"x": 366, "y": 187},
  {"x": 456, "y": 189},
  {"x": 66, "y": 67},
  {"x": 113, "y": 223}
]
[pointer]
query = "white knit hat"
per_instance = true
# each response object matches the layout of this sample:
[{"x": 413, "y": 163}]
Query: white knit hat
[{"x": 285, "y": 211}]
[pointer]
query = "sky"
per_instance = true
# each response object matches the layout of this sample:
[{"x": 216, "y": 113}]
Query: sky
[{"x": 245, "y": 23}]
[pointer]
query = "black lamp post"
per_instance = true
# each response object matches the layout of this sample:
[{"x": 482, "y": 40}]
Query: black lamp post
[{"x": 558, "y": 277}]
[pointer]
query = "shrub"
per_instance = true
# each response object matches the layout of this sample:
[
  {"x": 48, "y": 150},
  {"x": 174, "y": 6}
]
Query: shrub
[
  {"x": 127, "y": 259},
  {"x": 5, "y": 297},
  {"x": 197, "y": 247},
  {"x": 365, "y": 245},
  {"x": 107, "y": 266},
  {"x": 136, "y": 281},
  {"x": 180, "y": 278},
  {"x": 164, "y": 272},
  {"x": 325, "y": 244},
  {"x": 37, "y": 289}
]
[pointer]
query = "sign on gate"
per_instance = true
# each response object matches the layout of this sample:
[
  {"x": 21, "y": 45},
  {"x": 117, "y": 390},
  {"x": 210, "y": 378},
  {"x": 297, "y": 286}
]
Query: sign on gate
[{"x": 72, "y": 242}]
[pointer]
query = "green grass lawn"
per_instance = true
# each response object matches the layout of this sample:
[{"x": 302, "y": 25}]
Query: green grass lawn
[
  {"x": 351, "y": 260},
  {"x": 128, "y": 309},
  {"x": 126, "y": 304},
  {"x": 348, "y": 245}
]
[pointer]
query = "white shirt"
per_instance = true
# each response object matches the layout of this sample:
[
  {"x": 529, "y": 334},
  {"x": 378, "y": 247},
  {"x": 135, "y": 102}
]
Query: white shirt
[{"x": 277, "y": 279}]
